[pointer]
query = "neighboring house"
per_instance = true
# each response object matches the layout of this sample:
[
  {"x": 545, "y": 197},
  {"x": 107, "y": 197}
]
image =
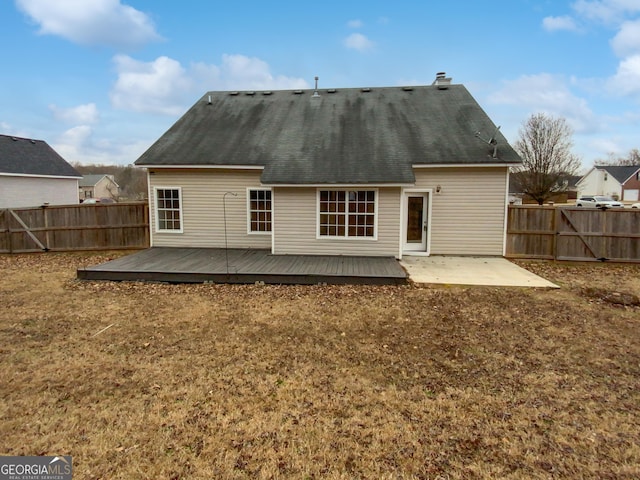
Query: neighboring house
[
  {"x": 619, "y": 182},
  {"x": 569, "y": 184},
  {"x": 373, "y": 171},
  {"x": 33, "y": 174},
  {"x": 99, "y": 185}
]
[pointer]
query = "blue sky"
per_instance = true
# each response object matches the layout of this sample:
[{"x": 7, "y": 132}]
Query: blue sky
[{"x": 101, "y": 80}]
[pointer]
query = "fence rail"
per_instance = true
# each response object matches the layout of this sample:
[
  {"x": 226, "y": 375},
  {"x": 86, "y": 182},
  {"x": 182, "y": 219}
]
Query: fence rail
[
  {"x": 573, "y": 233},
  {"x": 532, "y": 232},
  {"x": 74, "y": 227}
]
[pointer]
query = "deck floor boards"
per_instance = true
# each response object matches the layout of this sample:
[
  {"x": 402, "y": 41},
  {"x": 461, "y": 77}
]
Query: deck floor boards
[{"x": 197, "y": 265}]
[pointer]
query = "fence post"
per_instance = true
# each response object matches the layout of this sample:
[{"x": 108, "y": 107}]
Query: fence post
[
  {"x": 46, "y": 226},
  {"x": 6, "y": 228},
  {"x": 147, "y": 231},
  {"x": 555, "y": 224}
]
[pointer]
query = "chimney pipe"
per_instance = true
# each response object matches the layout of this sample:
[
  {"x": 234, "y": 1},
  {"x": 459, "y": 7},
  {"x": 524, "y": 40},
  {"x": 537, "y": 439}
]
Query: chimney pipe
[{"x": 315, "y": 92}]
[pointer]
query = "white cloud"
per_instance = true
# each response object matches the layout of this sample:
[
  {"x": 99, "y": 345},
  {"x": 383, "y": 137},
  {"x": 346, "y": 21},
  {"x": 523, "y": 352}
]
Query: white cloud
[
  {"x": 357, "y": 41},
  {"x": 564, "y": 22},
  {"x": 605, "y": 146},
  {"x": 627, "y": 40},
  {"x": 8, "y": 129},
  {"x": 243, "y": 73},
  {"x": 94, "y": 22},
  {"x": 84, "y": 114},
  {"x": 355, "y": 23},
  {"x": 606, "y": 11},
  {"x": 72, "y": 141},
  {"x": 78, "y": 144},
  {"x": 164, "y": 86},
  {"x": 160, "y": 86},
  {"x": 626, "y": 81},
  {"x": 549, "y": 94}
]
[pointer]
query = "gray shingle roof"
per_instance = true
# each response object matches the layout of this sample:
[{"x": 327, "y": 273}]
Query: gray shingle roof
[
  {"x": 341, "y": 137},
  {"x": 620, "y": 172},
  {"x": 32, "y": 157},
  {"x": 92, "y": 179}
]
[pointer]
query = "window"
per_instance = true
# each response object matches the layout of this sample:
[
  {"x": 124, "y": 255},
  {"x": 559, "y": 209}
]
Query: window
[
  {"x": 168, "y": 210},
  {"x": 347, "y": 214},
  {"x": 260, "y": 211}
]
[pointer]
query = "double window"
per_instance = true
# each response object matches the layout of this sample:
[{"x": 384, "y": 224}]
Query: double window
[
  {"x": 347, "y": 213},
  {"x": 168, "y": 209},
  {"x": 260, "y": 211}
]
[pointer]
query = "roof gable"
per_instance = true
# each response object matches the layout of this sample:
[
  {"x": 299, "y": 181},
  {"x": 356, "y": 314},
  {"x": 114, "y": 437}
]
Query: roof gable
[
  {"x": 92, "y": 180},
  {"x": 335, "y": 137},
  {"x": 24, "y": 156},
  {"x": 621, "y": 173}
]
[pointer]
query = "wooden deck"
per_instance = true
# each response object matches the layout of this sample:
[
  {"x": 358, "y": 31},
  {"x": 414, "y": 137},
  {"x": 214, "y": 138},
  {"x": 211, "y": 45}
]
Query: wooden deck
[{"x": 199, "y": 265}]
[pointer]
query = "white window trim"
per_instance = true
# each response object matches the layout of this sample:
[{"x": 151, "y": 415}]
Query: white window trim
[
  {"x": 155, "y": 209},
  {"x": 359, "y": 188},
  {"x": 249, "y": 190}
]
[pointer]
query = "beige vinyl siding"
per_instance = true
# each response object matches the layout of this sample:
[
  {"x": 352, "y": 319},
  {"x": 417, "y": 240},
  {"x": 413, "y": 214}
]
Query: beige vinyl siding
[
  {"x": 296, "y": 217},
  {"x": 202, "y": 208},
  {"x": 468, "y": 215},
  {"x": 17, "y": 192}
]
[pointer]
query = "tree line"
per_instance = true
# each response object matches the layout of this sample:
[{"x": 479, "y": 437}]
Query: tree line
[{"x": 131, "y": 180}]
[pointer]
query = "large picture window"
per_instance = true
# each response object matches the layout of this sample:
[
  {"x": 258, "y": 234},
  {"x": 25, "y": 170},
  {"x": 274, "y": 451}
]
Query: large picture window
[
  {"x": 344, "y": 213},
  {"x": 168, "y": 210},
  {"x": 260, "y": 211}
]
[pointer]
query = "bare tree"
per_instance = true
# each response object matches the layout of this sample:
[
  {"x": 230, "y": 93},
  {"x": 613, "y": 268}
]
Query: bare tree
[
  {"x": 132, "y": 180},
  {"x": 544, "y": 144},
  {"x": 632, "y": 159}
]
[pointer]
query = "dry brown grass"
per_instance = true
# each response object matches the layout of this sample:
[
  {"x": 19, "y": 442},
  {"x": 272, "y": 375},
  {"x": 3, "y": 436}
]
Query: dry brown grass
[{"x": 235, "y": 382}]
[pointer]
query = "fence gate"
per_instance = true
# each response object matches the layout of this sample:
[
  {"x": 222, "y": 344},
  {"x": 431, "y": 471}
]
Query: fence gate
[
  {"x": 597, "y": 235},
  {"x": 24, "y": 231},
  {"x": 573, "y": 233}
]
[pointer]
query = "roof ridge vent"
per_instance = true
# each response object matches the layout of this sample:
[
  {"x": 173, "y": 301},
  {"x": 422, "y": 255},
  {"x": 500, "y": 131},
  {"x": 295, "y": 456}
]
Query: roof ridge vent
[{"x": 297, "y": 92}]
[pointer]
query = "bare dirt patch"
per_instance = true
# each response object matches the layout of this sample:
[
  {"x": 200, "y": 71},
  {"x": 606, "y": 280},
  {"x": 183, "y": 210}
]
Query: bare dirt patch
[{"x": 233, "y": 382}]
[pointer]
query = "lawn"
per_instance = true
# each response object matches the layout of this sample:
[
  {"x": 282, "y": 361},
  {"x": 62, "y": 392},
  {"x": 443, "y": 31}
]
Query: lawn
[{"x": 208, "y": 381}]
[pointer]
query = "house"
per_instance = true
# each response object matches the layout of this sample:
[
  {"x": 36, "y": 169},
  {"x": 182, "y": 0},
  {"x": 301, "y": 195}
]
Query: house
[
  {"x": 99, "y": 185},
  {"x": 33, "y": 174},
  {"x": 360, "y": 171},
  {"x": 617, "y": 181},
  {"x": 570, "y": 185}
]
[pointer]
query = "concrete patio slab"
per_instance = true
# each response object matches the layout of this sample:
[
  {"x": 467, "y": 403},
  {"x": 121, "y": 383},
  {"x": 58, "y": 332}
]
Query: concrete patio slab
[{"x": 491, "y": 271}]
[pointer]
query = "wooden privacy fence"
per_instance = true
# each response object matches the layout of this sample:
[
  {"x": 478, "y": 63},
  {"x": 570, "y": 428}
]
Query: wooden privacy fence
[
  {"x": 573, "y": 233},
  {"x": 74, "y": 227}
]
